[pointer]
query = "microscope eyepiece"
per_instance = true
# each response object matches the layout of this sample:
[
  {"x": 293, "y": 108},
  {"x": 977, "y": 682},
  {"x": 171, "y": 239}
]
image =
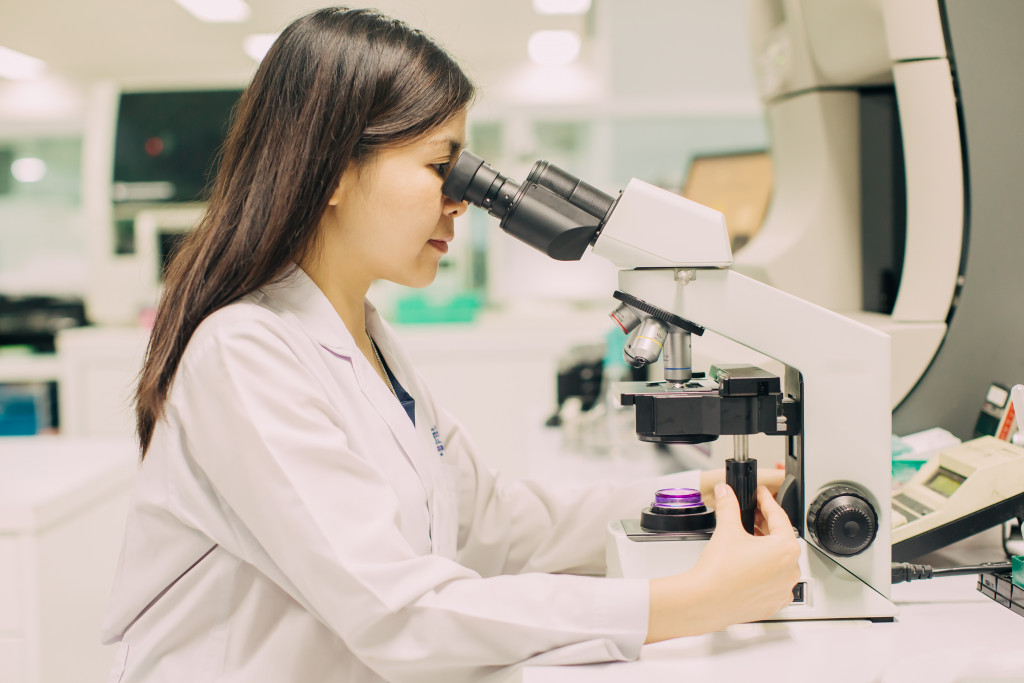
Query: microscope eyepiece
[
  {"x": 472, "y": 180},
  {"x": 553, "y": 211},
  {"x": 578, "y": 193},
  {"x": 460, "y": 176}
]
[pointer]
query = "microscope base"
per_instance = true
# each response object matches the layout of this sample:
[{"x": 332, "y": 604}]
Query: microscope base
[{"x": 826, "y": 590}]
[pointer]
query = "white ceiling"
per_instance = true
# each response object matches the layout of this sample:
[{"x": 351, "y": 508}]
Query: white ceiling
[{"x": 143, "y": 43}]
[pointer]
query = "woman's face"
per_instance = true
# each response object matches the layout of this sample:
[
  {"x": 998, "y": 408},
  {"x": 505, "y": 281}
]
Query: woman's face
[{"x": 388, "y": 220}]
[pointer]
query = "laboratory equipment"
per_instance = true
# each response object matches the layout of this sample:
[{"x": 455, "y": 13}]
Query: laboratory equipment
[
  {"x": 158, "y": 232},
  {"x": 893, "y": 129},
  {"x": 1018, "y": 400},
  {"x": 996, "y": 415},
  {"x": 34, "y": 321},
  {"x": 739, "y": 184},
  {"x": 675, "y": 258},
  {"x": 1006, "y": 588},
  {"x": 637, "y": 547},
  {"x": 166, "y": 143},
  {"x": 962, "y": 490}
]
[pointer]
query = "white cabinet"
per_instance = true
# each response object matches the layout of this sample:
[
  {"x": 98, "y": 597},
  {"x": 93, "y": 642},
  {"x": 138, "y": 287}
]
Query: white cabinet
[
  {"x": 98, "y": 368},
  {"x": 63, "y": 503}
]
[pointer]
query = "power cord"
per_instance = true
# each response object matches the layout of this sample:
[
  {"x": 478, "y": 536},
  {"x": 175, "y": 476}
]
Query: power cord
[{"x": 905, "y": 571}]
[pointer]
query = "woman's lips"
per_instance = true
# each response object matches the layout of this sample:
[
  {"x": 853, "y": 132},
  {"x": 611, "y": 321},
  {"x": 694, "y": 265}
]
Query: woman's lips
[{"x": 440, "y": 245}]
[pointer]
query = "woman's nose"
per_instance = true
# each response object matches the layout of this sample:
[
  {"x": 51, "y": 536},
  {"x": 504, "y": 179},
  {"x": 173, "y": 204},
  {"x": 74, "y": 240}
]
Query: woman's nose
[{"x": 453, "y": 208}]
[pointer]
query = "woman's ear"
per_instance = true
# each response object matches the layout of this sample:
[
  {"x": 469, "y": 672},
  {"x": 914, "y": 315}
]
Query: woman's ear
[
  {"x": 348, "y": 178},
  {"x": 339, "y": 191}
]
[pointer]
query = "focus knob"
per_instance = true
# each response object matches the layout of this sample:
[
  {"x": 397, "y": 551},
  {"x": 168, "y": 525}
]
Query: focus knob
[{"x": 842, "y": 521}]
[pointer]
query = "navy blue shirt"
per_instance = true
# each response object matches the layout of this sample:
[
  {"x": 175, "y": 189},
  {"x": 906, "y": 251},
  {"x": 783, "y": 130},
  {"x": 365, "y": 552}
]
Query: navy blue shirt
[{"x": 407, "y": 401}]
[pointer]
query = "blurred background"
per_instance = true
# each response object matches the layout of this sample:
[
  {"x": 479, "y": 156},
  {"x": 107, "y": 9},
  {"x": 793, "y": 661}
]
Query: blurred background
[{"x": 111, "y": 113}]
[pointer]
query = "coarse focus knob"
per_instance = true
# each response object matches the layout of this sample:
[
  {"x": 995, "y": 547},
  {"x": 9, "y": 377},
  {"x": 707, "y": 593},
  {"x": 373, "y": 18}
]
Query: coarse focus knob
[{"x": 842, "y": 521}]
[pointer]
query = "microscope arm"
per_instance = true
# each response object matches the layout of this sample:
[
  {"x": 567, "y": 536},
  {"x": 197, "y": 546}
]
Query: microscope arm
[{"x": 837, "y": 368}]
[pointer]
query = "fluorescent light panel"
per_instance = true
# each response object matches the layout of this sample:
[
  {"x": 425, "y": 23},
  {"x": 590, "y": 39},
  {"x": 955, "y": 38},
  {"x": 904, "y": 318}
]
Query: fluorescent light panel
[
  {"x": 28, "y": 170},
  {"x": 256, "y": 45},
  {"x": 553, "y": 48},
  {"x": 217, "y": 11},
  {"x": 561, "y": 6},
  {"x": 19, "y": 67}
]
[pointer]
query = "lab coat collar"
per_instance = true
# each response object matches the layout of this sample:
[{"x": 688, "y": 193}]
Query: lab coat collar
[{"x": 295, "y": 294}]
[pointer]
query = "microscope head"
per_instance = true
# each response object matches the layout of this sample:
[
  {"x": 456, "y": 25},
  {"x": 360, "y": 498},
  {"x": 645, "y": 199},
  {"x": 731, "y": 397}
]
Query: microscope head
[
  {"x": 560, "y": 215},
  {"x": 553, "y": 211},
  {"x": 643, "y": 227}
]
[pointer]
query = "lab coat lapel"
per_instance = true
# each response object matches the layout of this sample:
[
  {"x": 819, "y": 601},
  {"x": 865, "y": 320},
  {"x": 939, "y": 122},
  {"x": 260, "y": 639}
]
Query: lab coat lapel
[
  {"x": 428, "y": 452},
  {"x": 392, "y": 412},
  {"x": 409, "y": 437},
  {"x": 296, "y": 294}
]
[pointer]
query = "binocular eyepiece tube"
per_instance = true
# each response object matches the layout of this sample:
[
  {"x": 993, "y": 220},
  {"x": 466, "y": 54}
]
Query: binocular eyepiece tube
[{"x": 553, "y": 211}]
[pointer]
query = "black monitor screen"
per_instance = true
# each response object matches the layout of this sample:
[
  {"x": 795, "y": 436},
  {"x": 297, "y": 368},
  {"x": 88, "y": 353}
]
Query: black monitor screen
[{"x": 167, "y": 143}]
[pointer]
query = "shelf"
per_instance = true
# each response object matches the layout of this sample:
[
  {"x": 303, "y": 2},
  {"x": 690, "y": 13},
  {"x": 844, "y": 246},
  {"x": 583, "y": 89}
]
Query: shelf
[{"x": 40, "y": 367}]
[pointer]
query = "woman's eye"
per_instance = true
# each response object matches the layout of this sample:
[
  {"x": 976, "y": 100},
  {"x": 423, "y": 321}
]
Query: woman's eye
[{"x": 442, "y": 169}]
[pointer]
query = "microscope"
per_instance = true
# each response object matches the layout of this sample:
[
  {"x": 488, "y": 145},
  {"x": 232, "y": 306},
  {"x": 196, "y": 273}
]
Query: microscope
[{"x": 831, "y": 406}]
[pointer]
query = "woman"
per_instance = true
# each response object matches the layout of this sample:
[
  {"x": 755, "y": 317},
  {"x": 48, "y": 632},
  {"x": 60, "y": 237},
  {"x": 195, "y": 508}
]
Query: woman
[{"x": 304, "y": 510}]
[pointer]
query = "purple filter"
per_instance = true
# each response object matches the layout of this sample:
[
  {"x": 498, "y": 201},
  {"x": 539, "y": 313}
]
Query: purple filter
[{"x": 678, "y": 498}]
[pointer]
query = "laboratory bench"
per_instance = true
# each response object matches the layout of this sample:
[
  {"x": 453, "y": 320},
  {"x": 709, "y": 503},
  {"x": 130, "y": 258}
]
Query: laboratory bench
[{"x": 946, "y": 631}]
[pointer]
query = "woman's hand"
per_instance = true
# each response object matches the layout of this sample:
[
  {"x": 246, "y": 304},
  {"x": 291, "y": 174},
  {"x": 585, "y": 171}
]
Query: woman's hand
[
  {"x": 738, "y": 578},
  {"x": 771, "y": 479}
]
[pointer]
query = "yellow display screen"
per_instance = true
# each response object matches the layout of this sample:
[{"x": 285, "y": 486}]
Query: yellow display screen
[{"x": 945, "y": 482}]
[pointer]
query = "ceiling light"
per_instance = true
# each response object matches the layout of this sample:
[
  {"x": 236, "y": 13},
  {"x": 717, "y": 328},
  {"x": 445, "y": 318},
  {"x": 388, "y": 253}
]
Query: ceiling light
[
  {"x": 19, "y": 67},
  {"x": 561, "y": 6},
  {"x": 28, "y": 170},
  {"x": 553, "y": 48},
  {"x": 217, "y": 11},
  {"x": 256, "y": 45}
]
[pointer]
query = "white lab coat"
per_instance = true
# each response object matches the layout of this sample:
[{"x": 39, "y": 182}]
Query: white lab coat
[{"x": 290, "y": 524}]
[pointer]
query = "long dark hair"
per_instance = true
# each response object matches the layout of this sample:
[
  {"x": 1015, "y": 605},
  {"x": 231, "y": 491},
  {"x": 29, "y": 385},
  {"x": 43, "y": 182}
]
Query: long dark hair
[{"x": 336, "y": 86}]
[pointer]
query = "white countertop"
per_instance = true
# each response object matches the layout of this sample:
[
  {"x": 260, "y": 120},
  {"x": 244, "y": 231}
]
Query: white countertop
[{"x": 946, "y": 632}]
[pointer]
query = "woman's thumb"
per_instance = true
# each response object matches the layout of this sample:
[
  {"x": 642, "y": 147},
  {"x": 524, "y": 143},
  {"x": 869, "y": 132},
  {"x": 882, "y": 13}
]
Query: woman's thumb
[{"x": 727, "y": 508}]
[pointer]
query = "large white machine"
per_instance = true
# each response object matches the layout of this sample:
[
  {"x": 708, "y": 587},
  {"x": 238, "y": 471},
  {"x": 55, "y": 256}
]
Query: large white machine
[
  {"x": 894, "y": 139},
  {"x": 831, "y": 406}
]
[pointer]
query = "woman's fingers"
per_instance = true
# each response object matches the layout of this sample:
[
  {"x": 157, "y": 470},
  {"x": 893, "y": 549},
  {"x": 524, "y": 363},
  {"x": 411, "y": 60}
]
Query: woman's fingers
[
  {"x": 727, "y": 508},
  {"x": 776, "y": 519}
]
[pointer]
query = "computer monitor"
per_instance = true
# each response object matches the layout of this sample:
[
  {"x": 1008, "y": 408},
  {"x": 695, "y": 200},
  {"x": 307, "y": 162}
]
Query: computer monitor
[
  {"x": 739, "y": 184},
  {"x": 157, "y": 234},
  {"x": 166, "y": 143}
]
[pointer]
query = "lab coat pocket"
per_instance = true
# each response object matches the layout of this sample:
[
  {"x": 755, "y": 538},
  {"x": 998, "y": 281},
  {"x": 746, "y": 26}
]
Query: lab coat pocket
[
  {"x": 119, "y": 664},
  {"x": 444, "y": 527}
]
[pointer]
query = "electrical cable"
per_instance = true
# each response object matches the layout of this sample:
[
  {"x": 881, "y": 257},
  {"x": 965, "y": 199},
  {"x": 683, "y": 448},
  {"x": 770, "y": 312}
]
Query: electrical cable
[{"x": 905, "y": 571}]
